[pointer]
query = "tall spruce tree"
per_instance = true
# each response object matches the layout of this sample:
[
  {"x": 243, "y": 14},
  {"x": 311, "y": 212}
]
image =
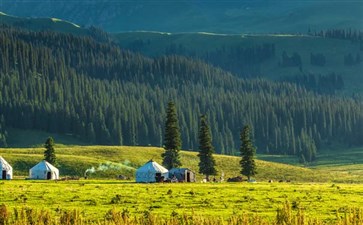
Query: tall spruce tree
[
  {"x": 172, "y": 139},
  {"x": 206, "y": 160},
  {"x": 248, "y": 152},
  {"x": 49, "y": 153}
]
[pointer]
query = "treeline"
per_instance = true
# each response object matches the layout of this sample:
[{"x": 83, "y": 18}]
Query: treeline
[
  {"x": 104, "y": 95},
  {"x": 244, "y": 61},
  {"x": 3, "y": 132},
  {"x": 291, "y": 61},
  {"x": 323, "y": 84},
  {"x": 344, "y": 34},
  {"x": 350, "y": 60},
  {"x": 316, "y": 59},
  {"x": 248, "y": 61}
]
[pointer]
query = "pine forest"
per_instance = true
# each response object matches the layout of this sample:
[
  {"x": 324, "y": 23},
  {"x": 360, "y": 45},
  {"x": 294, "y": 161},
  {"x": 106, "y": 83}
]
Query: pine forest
[{"x": 102, "y": 94}]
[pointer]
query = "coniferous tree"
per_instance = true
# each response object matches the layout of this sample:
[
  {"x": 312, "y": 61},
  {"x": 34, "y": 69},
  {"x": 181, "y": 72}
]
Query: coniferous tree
[
  {"x": 248, "y": 152},
  {"x": 3, "y": 132},
  {"x": 172, "y": 141},
  {"x": 91, "y": 136},
  {"x": 49, "y": 153},
  {"x": 206, "y": 160},
  {"x": 2, "y": 141}
]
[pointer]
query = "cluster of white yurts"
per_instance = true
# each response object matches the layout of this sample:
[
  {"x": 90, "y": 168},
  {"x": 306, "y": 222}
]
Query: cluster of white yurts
[
  {"x": 42, "y": 171},
  {"x": 148, "y": 173}
]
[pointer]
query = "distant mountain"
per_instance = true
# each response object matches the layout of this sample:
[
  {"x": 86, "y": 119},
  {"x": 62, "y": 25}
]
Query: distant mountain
[{"x": 245, "y": 16}]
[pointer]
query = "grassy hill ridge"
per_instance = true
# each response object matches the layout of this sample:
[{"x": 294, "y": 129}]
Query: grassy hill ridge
[
  {"x": 75, "y": 160},
  {"x": 40, "y": 24}
]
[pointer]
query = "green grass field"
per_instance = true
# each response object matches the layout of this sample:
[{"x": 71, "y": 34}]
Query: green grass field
[
  {"x": 74, "y": 156},
  {"x": 344, "y": 161},
  {"x": 322, "y": 192},
  {"x": 94, "y": 198}
]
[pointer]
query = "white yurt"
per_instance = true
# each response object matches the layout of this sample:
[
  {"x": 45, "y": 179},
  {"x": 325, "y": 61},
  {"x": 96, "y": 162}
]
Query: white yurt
[
  {"x": 151, "y": 172},
  {"x": 44, "y": 171},
  {"x": 6, "y": 171}
]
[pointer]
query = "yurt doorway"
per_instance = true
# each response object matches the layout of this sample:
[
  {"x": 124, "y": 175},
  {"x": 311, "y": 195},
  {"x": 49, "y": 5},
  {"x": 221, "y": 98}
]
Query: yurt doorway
[
  {"x": 49, "y": 175},
  {"x": 188, "y": 176},
  {"x": 158, "y": 177},
  {"x": 4, "y": 174}
]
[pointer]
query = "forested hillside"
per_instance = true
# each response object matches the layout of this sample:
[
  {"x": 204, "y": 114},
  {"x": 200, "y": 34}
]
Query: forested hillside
[
  {"x": 105, "y": 95},
  {"x": 327, "y": 61}
]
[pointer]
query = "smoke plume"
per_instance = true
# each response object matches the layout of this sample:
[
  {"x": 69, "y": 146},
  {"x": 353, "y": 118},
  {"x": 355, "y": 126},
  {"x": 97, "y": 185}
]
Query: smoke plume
[{"x": 125, "y": 166}]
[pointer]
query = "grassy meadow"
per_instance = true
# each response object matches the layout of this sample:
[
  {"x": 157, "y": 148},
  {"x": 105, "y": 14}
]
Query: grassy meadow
[
  {"x": 343, "y": 162},
  {"x": 95, "y": 198},
  {"x": 325, "y": 192}
]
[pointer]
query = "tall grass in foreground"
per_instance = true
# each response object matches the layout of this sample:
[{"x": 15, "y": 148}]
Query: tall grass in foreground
[{"x": 284, "y": 216}]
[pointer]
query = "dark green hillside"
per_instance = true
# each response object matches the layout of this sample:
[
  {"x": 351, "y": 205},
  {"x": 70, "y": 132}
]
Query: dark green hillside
[
  {"x": 323, "y": 62},
  {"x": 325, "y": 59},
  {"x": 102, "y": 94}
]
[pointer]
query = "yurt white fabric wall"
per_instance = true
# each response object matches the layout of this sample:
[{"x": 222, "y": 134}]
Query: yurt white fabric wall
[
  {"x": 151, "y": 172},
  {"x": 44, "y": 171},
  {"x": 6, "y": 171}
]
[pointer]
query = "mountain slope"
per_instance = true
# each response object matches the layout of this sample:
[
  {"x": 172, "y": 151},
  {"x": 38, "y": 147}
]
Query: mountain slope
[
  {"x": 244, "y": 55},
  {"x": 239, "y": 54},
  {"x": 257, "y": 55},
  {"x": 102, "y": 94},
  {"x": 261, "y": 16}
]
